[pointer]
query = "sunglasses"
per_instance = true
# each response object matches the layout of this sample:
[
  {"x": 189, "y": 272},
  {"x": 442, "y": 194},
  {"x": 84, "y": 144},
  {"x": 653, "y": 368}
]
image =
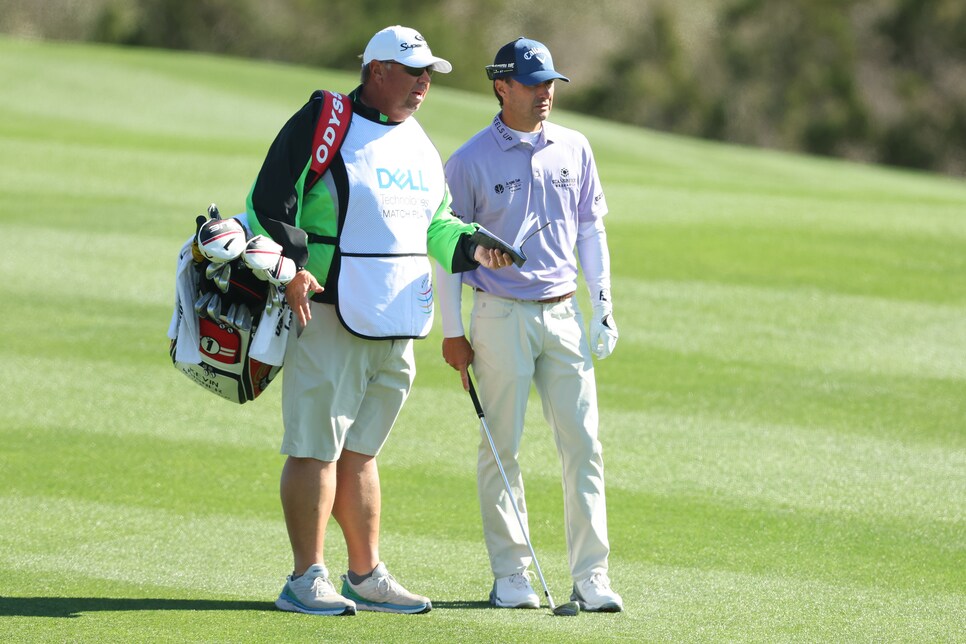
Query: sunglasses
[{"x": 415, "y": 72}]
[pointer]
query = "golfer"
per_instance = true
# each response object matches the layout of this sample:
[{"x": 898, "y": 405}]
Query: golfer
[
  {"x": 522, "y": 171},
  {"x": 359, "y": 237}
]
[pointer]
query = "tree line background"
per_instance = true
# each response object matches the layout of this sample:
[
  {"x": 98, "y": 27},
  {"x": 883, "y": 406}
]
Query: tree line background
[{"x": 880, "y": 81}]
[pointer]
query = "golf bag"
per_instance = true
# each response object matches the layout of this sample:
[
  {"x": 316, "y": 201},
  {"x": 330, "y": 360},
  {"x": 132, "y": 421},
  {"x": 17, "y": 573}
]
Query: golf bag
[
  {"x": 230, "y": 323},
  {"x": 231, "y": 320}
]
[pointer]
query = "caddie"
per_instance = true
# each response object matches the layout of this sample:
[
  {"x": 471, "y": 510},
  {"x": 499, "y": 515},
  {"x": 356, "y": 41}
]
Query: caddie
[{"x": 354, "y": 192}]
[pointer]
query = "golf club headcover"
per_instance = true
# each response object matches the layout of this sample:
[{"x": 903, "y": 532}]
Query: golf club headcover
[
  {"x": 283, "y": 272},
  {"x": 603, "y": 327},
  {"x": 261, "y": 253},
  {"x": 264, "y": 257},
  {"x": 221, "y": 240}
]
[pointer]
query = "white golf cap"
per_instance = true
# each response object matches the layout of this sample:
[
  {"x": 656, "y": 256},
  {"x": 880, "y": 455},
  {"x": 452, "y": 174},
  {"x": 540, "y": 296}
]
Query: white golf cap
[{"x": 403, "y": 45}]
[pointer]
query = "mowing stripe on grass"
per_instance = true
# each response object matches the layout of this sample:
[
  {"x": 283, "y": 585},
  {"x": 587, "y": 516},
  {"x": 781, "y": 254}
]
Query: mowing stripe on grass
[{"x": 782, "y": 420}]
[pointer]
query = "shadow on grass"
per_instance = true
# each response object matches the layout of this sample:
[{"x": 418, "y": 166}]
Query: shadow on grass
[
  {"x": 74, "y": 606},
  {"x": 460, "y": 605}
]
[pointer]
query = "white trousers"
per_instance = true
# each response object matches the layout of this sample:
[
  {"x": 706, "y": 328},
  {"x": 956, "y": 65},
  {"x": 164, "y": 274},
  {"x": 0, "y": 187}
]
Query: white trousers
[{"x": 516, "y": 343}]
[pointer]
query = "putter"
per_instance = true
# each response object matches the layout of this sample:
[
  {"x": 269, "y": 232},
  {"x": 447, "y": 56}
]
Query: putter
[{"x": 570, "y": 609}]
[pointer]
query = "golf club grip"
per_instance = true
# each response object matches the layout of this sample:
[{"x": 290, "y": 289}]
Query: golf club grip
[{"x": 476, "y": 399}]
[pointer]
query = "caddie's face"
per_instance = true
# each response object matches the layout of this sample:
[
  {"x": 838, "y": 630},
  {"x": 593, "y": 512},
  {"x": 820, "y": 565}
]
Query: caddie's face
[
  {"x": 525, "y": 107},
  {"x": 404, "y": 89}
]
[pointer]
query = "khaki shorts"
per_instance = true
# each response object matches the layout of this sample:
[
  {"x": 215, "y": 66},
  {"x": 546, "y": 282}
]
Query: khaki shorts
[{"x": 340, "y": 391}]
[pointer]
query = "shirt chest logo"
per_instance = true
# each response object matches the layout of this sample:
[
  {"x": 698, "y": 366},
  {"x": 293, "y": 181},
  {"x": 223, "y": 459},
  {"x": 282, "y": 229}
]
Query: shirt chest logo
[{"x": 564, "y": 179}]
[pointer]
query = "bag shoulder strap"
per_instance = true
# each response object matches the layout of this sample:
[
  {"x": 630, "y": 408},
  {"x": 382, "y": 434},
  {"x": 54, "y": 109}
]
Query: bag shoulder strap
[{"x": 330, "y": 132}]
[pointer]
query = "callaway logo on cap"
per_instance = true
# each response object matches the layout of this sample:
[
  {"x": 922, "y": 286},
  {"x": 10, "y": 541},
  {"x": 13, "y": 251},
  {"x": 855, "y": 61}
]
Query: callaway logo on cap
[
  {"x": 525, "y": 61},
  {"x": 406, "y": 46}
]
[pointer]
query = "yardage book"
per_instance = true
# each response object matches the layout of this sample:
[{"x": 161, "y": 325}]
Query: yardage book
[{"x": 486, "y": 239}]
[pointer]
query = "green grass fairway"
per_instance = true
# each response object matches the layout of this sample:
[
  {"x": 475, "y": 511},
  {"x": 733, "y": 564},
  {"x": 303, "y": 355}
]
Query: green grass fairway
[{"x": 783, "y": 419}]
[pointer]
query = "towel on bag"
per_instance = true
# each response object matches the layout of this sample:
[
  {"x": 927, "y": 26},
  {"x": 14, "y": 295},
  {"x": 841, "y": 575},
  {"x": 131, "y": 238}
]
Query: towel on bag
[{"x": 234, "y": 357}]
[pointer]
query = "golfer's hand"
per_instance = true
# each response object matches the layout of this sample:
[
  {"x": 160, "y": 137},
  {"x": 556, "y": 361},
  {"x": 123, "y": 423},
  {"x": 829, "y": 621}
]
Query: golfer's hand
[
  {"x": 297, "y": 295},
  {"x": 459, "y": 354},
  {"x": 603, "y": 332},
  {"x": 491, "y": 258}
]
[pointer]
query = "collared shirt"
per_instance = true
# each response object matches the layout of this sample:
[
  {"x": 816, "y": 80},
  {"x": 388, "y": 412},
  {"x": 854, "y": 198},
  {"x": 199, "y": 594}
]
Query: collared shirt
[{"x": 496, "y": 180}]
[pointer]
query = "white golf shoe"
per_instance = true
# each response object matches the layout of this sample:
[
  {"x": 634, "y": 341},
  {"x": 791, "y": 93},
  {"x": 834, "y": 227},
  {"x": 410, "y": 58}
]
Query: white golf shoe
[
  {"x": 595, "y": 595},
  {"x": 314, "y": 594},
  {"x": 514, "y": 591},
  {"x": 381, "y": 592}
]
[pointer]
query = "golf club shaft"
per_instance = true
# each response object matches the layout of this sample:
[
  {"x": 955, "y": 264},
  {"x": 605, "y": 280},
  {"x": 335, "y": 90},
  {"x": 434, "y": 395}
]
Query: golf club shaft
[{"x": 509, "y": 490}]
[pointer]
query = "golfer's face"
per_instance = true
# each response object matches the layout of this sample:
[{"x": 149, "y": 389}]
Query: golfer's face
[{"x": 526, "y": 106}]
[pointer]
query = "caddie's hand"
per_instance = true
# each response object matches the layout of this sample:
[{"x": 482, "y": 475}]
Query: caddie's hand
[
  {"x": 603, "y": 331},
  {"x": 491, "y": 258},
  {"x": 297, "y": 295},
  {"x": 459, "y": 354}
]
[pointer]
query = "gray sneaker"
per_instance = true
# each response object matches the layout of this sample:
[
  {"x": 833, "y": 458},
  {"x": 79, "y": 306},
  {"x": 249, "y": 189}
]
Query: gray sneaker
[
  {"x": 381, "y": 592},
  {"x": 314, "y": 594}
]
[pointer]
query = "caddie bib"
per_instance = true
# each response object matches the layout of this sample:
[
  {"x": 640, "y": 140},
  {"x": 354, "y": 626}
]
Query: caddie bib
[{"x": 396, "y": 184}]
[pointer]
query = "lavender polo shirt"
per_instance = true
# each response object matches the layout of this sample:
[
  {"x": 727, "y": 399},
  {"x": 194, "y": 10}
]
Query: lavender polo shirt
[{"x": 495, "y": 180}]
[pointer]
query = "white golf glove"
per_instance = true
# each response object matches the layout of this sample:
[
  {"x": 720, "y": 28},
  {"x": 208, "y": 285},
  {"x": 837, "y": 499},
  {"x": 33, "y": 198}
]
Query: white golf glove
[{"x": 603, "y": 330}]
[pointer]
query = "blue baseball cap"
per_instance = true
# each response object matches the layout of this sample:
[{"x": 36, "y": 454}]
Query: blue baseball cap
[{"x": 525, "y": 61}]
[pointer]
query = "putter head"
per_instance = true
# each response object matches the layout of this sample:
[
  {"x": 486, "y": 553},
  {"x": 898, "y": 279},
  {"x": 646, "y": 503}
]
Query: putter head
[{"x": 570, "y": 609}]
